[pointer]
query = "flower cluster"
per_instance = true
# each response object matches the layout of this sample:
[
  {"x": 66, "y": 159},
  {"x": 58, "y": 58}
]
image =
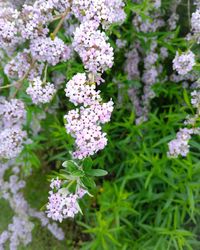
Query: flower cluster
[
  {"x": 195, "y": 22},
  {"x": 12, "y": 113},
  {"x": 12, "y": 137},
  {"x": 40, "y": 92},
  {"x": 103, "y": 11},
  {"x": 149, "y": 25},
  {"x": 11, "y": 142},
  {"x": 144, "y": 65},
  {"x": 84, "y": 125},
  {"x": 184, "y": 63},
  {"x": 179, "y": 146},
  {"x": 195, "y": 101},
  {"x": 62, "y": 203},
  {"x": 9, "y": 26},
  {"x": 92, "y": 46},
  {"x": 80, "y": 91},
  {"x": 34, "y": 19},
  {"x": 48, "y": 50}
]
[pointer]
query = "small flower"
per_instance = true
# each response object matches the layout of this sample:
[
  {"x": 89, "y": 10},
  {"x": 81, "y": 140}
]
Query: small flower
[{"x": 55, "y": 183}]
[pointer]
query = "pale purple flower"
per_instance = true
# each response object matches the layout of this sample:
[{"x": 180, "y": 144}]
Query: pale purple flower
[
  {"x": 45, "y": 49},
  {"x": 81, "y": 91},
  {"x": 40, "y": 92},
  {"x": 183, "y": 63}
]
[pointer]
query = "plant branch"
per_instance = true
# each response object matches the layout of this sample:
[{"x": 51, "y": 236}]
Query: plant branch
[
  {"x": 18, "y": 84},
  {"x": 53, "y": 35}
]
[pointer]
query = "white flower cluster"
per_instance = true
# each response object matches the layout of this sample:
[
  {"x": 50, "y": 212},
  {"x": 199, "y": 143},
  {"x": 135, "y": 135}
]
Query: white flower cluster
[
  {"x": 12, "y": 137},
  {"x": 132, "y": 64},
  {"x": 174, "y": 16},
  {"x": 61, "y": 5},
  {"x": 92, "y": 46},
  {"x": 12, "y": 113},
  {"x": 32, "y": 22},
  {"x": 149, "y": 76},
  {"x": 80, "y": 90},
  {"x": 195, "y": 101},
  {"x": 184, "y": 63},
  {"x": 9, "y": 27},
  {"x": 179, "y": 146},
  {"x": 195, "y": 21},
  {"x": 55, "y": 183},
  {"x": 20, "y": 231},
  {"x": 40, "y": 92},
  {"x": 63, "y": 204},
  {"x": 48, "y": 50},
  {"x": 84, "y": 125},
  {"x": 11, "y": 142},
  {"x": 35, "y": 18},
  {"x": 103, "y": 11}
]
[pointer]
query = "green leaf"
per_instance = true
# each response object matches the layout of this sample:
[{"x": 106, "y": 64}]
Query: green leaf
[
  {"x": 87, "y": 163},
  {"x": 96, "y": 172},
  {"x": 186, "y": 98},
  {"x": 78, "y": 173},
  {"x": 88, "y": 182},
  {"x": 70, "y": 165}
]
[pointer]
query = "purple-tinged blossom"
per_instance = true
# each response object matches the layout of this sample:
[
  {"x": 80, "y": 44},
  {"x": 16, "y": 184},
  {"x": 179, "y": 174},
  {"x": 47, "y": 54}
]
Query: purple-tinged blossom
[
  {"x": 12, "y": 113},
  {"x": 180, "y": 146},
  {"x": 80, "y": 91},
  {"x": 55, "y": 183},
  {"x": 105, "y": 12},
  {"x": 184, "y": 63},
  {"x": 63, "y": 204},
  {"x": 9, "y": 27},
  {"x": 84, "y": 126},
  {"x": 40, "y": 92},
  {"x": 195, "y": 21},
  {"x": 91, "y": 44},
  {"x": 50, "y": 51},
  {"x": 11, "y": 142}
]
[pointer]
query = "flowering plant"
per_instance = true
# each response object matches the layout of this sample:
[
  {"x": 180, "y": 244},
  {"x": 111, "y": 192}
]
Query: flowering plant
[{"x": 107, "y": 89}]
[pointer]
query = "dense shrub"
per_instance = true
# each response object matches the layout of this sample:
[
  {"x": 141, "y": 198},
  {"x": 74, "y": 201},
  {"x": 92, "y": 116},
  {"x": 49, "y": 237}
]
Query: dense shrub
[{"x": 99, "y": 119}]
